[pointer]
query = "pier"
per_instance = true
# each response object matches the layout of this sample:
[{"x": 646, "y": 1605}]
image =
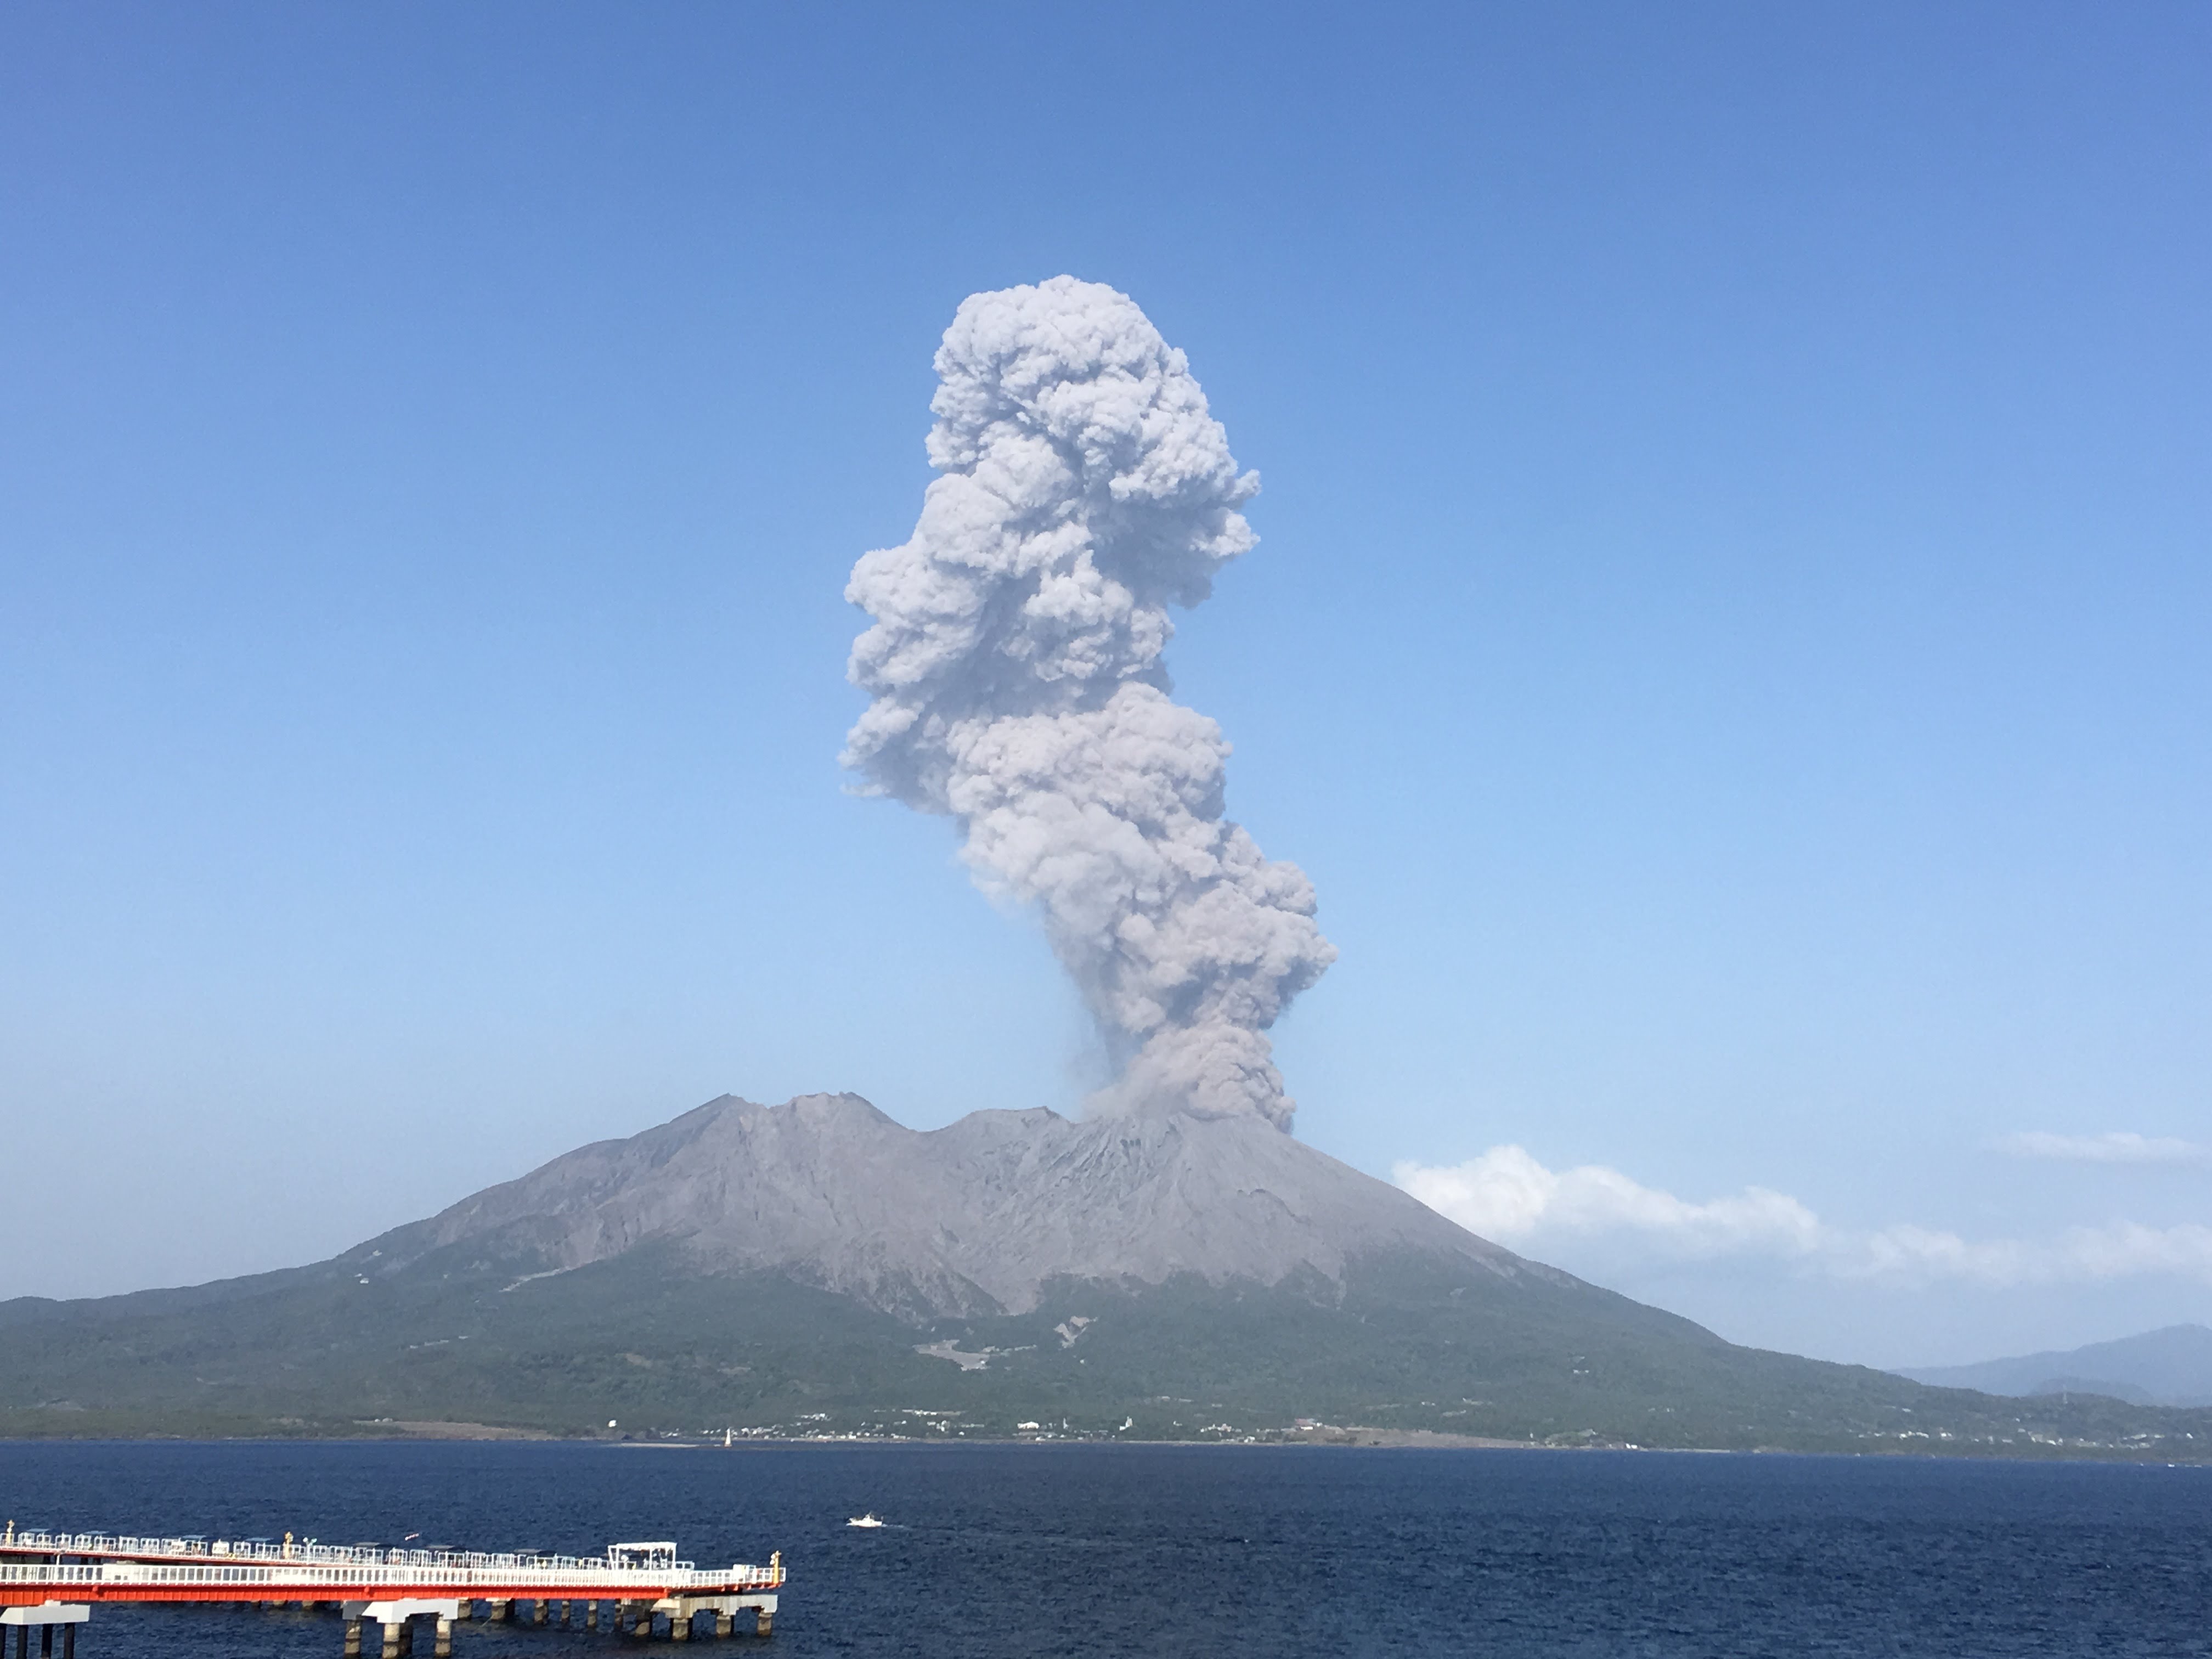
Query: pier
[{"x": 50, "y": 1581}]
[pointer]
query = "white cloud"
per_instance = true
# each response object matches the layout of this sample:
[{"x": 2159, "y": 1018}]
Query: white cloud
[
  {"x": 1506, "y": 1195},
  {"x": 2078, "y": 1255},
  {"x": 2119, "y": 1146}
]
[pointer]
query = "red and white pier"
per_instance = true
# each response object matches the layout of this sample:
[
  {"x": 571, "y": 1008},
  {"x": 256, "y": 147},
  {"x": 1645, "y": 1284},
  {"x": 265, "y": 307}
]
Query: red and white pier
[{"x": 50, "y": 1581}]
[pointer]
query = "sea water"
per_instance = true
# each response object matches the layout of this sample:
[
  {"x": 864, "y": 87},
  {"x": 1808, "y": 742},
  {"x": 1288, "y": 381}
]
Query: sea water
[{"x": 994, "y": 1552}]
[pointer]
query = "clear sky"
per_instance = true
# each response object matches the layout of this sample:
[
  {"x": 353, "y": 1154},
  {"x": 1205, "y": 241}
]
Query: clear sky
[{"x": 1727, "y": 638}]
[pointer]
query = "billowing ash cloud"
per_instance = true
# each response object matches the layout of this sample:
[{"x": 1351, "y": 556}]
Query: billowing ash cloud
[{"x": 1015, "y": 665}]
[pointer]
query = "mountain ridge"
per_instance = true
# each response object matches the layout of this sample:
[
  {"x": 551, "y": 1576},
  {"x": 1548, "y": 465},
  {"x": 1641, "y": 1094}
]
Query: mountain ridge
[
  {"x": 975, "y": 1217},
  {"x": 2169, "y": 1366}
]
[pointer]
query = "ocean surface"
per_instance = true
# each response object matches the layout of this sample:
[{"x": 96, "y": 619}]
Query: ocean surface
[{"x": 994, "y": 1552}]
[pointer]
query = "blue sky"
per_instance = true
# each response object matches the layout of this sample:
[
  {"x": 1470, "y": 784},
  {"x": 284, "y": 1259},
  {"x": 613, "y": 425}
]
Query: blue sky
[{"x": 1726, "y": 639}]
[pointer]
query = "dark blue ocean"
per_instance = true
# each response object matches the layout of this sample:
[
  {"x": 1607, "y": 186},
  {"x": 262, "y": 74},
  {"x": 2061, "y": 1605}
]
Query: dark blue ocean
[{"x": 995, "y": 1552}]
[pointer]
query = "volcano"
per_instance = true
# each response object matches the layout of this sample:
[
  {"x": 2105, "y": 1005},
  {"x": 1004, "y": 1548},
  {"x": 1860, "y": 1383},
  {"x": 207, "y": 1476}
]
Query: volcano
[
  {"x": 979, "y": 1218},
  {"x": 816, "y": 1269}
]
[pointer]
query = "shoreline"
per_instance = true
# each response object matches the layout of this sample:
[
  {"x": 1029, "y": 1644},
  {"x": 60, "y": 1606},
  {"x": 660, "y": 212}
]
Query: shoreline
[{"x": 1345, "y": 1439}]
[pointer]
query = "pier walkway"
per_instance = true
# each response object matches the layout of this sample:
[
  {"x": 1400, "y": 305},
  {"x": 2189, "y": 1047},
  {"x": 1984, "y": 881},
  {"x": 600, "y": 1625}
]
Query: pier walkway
[{"x": 51, "y": 1581}]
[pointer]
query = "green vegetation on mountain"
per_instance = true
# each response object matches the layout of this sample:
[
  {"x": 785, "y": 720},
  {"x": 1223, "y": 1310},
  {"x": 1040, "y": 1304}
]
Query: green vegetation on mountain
[{"x": 1401, "y": 1343}]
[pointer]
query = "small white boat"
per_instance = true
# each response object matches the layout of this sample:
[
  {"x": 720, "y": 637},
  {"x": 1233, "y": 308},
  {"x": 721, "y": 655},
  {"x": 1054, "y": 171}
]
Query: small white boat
[{"x": 867, "y": 1520}]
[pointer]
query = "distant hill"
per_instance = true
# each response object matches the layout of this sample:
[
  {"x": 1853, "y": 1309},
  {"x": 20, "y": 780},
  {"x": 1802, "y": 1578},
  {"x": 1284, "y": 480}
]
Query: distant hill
[
  {"x": 2168, "y": 1367},
  {"x": 816, "y": 1269}
]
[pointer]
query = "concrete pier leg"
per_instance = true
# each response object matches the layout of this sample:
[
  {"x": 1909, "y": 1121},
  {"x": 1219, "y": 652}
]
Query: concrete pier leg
[
  {"x": 46, "y": 1642},
  {"x": 464, "y": 1609},
  {"x": 68, "y": 1642},
  {"x": 680, "y": 1625},
  {"x": 723, "y": 1623},
  {"x": 539, "y": 1609},
  {"x": 645, "y": 1619},
  {"x": 353, "y": 1639},
  {"x": 444, "y": 1649},
  {"x": 591, "y": 1615},
  {"x": 767, "y": 1626},
  {"x": 391, "y": 1639}
]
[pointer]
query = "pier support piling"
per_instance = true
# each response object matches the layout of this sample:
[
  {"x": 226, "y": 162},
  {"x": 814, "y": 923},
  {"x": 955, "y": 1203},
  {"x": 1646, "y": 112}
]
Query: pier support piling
[
  {"x": 46, "y": 1615},
  {"x": 725, "y": 1623},
  {"x": 444, "y": 1648}
]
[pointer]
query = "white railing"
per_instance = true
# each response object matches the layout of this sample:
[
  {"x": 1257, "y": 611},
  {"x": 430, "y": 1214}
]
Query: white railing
[
  {"x": 40, "y": 1542},
  {"x": 147, "y": 1561},
  {"x": 150, "y": 1575}
]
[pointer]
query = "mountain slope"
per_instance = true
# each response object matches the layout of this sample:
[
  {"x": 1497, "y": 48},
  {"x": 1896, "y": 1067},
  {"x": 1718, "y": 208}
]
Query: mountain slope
[
  {"x": 974, "y": 1217},
  {"x": 2168, "y": 1367},
  {"x": 816, "y": 1267}
]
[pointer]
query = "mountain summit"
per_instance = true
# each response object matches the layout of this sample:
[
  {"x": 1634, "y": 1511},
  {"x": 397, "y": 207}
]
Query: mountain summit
[{"x": 975, "y": 1219}]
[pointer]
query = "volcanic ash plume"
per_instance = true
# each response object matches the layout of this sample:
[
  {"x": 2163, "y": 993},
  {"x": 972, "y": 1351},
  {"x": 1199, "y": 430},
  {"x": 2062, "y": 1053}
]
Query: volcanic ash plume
[{"x": 1015, "y": 664}]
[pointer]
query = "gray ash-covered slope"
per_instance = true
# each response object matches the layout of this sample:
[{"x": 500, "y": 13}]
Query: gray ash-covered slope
[
  {"x": 978, "y": 1218},
  {"x": 816, "y": 1267}
]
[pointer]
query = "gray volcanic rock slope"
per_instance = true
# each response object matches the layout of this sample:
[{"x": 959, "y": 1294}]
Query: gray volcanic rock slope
[{"x": 974, "y": 1218}]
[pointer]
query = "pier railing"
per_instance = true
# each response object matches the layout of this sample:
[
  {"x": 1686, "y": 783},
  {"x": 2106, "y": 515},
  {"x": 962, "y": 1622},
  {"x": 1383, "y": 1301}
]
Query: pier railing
[
  {"x": 247, "y": 1562},
  {"x": 247, "y": 1580},
  {"x": 39, "y": 1541}
]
